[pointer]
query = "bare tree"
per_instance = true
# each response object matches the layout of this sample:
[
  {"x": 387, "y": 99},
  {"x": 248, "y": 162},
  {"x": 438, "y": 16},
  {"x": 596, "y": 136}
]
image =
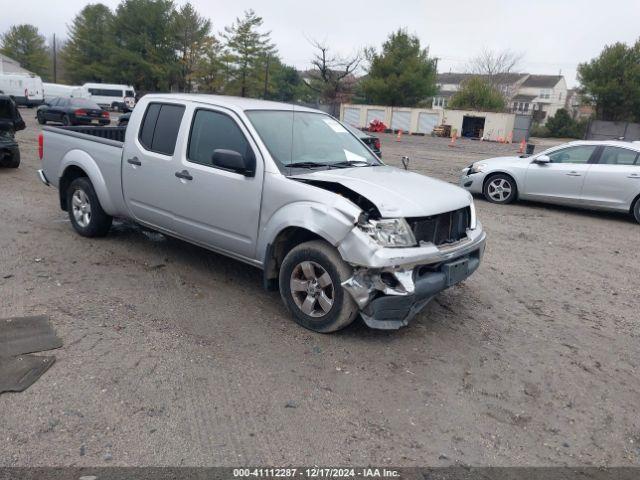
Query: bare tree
[
  {"x": 495, "y": 66},
  {"x": 333, "y": 75}
]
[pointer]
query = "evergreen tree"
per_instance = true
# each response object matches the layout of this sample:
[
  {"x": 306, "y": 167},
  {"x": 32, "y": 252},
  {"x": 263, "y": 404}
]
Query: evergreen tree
[
  {"x": 86, "y": 55},
  {"x": 191, "y": 32},
  {"x": 478, "y": 94},
  {"x": 249, "y": 51},
  {"x": 24, "y": 44},
  {"x": 402, "y": 75}
]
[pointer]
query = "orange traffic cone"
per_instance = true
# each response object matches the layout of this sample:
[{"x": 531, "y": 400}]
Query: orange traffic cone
[
  {"x": 523, "y": 145},
  {"x": 399, "y": 137}
]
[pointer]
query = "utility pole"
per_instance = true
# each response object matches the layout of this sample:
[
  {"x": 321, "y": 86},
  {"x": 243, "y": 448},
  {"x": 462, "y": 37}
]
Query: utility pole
[
  {"x": 266, "y": 77},
  {"x": 55, "y": 63}
]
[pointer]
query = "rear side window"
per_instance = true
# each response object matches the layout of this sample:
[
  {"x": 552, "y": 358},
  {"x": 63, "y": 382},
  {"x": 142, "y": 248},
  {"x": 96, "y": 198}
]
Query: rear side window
[
  {"x": 213, "y": 131},
  {"x": 160, "y": 126},
  {"x": 618, "y": 156}
]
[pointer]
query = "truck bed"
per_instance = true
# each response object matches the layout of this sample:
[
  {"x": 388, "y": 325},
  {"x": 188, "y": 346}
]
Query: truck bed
[{"x": 108, "y": 133}]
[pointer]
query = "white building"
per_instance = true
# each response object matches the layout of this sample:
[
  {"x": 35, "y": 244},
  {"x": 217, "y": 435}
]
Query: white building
[{"x": 10, "y": 66}]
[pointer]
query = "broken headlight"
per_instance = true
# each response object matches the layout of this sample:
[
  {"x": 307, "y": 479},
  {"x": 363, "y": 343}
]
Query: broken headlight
[
  {"x": 389, "y": 232},
  {"x": 477, "y": 168},
  {"x": 473, "y": 223}
]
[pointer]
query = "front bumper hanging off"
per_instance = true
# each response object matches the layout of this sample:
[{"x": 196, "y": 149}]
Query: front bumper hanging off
[{"x": 389, "y": 298}]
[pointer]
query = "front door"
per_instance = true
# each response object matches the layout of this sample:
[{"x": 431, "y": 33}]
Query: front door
[
  {"x": 149, "y": 165},
  {"x": 561, "y": 180},
  {"x": 215, "y": 206},
  {"x": 614, "y": 181}
]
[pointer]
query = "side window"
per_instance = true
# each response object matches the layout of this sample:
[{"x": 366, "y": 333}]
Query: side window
[
  {"x": 160, "y": 126},
  {"x": 618, "y": 156},
  {"x": 214, "y": 131},
  {"x": 580, "y": 154}
]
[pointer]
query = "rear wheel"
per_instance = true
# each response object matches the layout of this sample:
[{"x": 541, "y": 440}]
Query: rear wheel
[
  {"x": 636, "y": 210},
  {"x": 11, "y": 160},
  {"x": 41, "y": 119},
  {"x": 85, "y": 212},
  {"x": 66, "y": 121},
  {"x": 311, "y": 280},
  {"x": 500, "y": 188}
]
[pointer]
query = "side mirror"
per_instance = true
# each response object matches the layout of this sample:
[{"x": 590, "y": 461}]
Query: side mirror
[
  {"x": 234, "y": 162},
  {"x": 542, "y": 159}
]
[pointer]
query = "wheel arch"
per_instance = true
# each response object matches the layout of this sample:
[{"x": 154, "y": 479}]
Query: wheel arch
[
  {"x": 633, "y": 203},
  {"x": 77, "y": 163}
]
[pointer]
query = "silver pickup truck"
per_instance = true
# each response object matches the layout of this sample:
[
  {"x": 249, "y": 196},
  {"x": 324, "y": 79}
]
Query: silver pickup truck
[{"x": 287, "y": 189}]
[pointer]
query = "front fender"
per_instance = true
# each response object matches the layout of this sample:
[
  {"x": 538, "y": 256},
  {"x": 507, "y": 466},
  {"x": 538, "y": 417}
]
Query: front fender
[
  {"x": 84, "y": 161},
  {"x": 329, "y": 222}
]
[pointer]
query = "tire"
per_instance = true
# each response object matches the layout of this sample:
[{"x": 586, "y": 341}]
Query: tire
[
  {"x": 14, "y": 161},
  {"x": 41, "y": 119},
  {"x": 66, "y": 121},
  {"x": 328, "y": 307},
  {"x": 636, "y": 210},
  {"x": 82, "y": 200},
  {"x": 115, "y": 107},
  {"x": 500, "y": 188}
]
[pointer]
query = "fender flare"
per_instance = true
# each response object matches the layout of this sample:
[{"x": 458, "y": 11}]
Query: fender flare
[{"x": 82, "y": 160}]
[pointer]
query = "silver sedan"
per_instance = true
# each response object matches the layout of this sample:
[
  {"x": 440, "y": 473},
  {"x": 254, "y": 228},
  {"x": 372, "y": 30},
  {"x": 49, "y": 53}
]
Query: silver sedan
[{"x": 602, "y": 175}]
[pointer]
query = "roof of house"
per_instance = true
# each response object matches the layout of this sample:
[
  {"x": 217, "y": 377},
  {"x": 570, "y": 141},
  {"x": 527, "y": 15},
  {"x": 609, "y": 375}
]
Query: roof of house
[
  {"x": 9, "y": 65},
  {"x": 457, "y": 78},
  {"x": 542, "y": 81}
]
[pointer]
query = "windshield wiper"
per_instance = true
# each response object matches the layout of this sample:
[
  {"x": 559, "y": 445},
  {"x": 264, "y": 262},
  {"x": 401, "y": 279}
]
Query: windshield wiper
[
  {"x": 309, "y": 165},
  {"x": 352, "y": 163}
]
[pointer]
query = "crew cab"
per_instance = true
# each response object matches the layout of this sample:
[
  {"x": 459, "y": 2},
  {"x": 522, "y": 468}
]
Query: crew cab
[{"x": 284, "y": 188}]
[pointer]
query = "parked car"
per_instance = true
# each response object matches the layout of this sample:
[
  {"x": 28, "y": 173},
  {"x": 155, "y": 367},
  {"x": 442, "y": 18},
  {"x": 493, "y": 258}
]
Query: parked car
[
  {"x": 590, "y": 174},
  {"x": 10, "y": 122},
  {"x": 370, "y": 141},
  {"x": 286, "y": 189},
  {"x": 123, "y": 120},
  {"x": 72, "y": 111}
]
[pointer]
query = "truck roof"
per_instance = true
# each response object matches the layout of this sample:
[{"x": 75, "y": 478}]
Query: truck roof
[{"x": 232, "y": 103}]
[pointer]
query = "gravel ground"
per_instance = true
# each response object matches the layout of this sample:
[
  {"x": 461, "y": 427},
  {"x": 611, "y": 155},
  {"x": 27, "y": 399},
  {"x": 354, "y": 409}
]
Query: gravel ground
[{"x": 175, "y": 356}]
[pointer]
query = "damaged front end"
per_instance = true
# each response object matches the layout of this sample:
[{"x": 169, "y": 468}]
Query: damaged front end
[{"x": 397, "y": 271}]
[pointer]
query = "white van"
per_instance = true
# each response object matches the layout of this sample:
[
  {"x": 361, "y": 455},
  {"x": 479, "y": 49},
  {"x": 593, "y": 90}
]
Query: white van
[
  {"x": 53, "y": 90},
  {"x": 113, "y": 96},
  {"x": 25, "y": 89}
]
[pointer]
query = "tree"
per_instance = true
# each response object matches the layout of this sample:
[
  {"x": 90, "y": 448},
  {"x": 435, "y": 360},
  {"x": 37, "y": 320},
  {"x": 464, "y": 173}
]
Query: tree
[
  {"x": 144, "y": 51},
  {"x": 477, "y": 93},
  {"x": 191, "y": 32},
  {"x": 611, "y": 82},
  {"x": 249, "y": 50},
  {"x": 210, "y": 69},
  {"x": 27, "y": 46},
  {"x": 284, "y": 82},
  {"x": 402, "y": 74},
  {"x": 495, "y": 66},
  {"x": 333, "y": 75},
  {"x": 87, "y": 52},
  {"x": 562, "y": 125}
]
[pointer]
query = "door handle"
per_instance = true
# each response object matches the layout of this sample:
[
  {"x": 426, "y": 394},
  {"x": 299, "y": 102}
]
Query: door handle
[
  {"x": 184, "y": 175},
  {"x": 634, "y": 175},
  {"x": 574, "y": 174},
  {"x": 134, "y": 161}
]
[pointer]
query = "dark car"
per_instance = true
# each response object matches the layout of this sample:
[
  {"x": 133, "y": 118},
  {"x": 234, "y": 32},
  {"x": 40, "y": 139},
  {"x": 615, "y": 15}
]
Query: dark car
[
  {"x": 10, "y": 123},
  {"x": 123, "y": 120},
  {"x": 372, "y": 142},
  {"x": 72, "y": 111}
]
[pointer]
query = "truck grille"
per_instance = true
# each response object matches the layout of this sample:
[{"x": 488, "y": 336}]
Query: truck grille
[{"x": 442, "y": 229}]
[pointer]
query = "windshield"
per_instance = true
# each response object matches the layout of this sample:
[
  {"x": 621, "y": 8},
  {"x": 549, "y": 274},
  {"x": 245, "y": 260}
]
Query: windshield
[{"x": 308, "y": 140}]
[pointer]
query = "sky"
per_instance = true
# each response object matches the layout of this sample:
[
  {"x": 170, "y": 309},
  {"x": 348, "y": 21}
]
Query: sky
[{"x": 552, "y": 36}]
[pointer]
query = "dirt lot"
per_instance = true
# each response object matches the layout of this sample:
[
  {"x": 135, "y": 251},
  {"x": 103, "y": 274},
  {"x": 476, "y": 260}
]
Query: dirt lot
[{"x": 176, "y": 356}]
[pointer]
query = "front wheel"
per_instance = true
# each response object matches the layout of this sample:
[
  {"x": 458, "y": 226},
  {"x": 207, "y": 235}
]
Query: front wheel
[
  {"x": 41, "y": 119},
  {"x": 85, "y": 212},
  {"x": 636, "y": 210},
  {"x": 12, "y": 159},
  {"x": 311, "y": 280},
  {"x": 500, "y": 188}
]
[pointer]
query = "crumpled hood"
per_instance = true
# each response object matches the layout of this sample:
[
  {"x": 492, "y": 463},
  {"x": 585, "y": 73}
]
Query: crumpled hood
[{"x": 397, "y": 193}]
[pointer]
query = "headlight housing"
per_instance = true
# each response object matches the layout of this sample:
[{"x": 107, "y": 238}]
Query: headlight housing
[
  {"x": 389, "y": 232},
  {"x": 473, "y": 224},
  {"x": 477, "y": 168}
]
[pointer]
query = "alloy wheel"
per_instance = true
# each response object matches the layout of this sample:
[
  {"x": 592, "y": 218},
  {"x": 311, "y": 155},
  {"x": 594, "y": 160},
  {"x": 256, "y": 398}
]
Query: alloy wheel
[
  {"x": 499, "y": 189},
  {"x": 81, "y": 207},
  {"x": 312, "y": 289}
]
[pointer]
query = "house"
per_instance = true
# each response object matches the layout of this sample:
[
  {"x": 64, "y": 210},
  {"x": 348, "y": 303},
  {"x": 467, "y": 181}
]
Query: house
[
  {"x": 577, "y": 107},
  {"x": 538, "y": 95},
  {"x": 9, "y": 65}
]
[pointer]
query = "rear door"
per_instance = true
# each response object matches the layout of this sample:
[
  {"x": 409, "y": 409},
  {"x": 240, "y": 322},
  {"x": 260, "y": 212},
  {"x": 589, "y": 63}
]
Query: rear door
[
  {"x": 215, "y": 206},
  {"x": 149, "y": 165},
  {"x": 561, "y": 180},
  {"x": 614, "y": 180}
]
